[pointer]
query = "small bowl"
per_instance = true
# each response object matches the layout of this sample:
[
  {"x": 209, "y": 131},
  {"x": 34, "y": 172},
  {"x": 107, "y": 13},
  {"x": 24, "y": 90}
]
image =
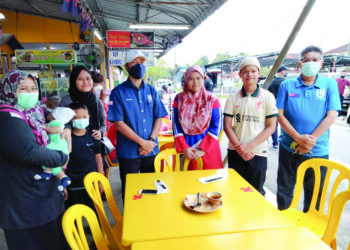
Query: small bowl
[{"x": 214, "y": 198}]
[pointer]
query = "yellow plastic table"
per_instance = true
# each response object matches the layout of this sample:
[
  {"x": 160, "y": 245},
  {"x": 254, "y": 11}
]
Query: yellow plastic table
[
  {"x": 272, "y": 239},
  {"x": 164, "y": 216}
]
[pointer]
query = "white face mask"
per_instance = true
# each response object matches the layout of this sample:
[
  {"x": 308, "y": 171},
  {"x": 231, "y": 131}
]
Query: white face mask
[
  {"x": 310, "y": 68},
  {"x": 98, "y": 89}
]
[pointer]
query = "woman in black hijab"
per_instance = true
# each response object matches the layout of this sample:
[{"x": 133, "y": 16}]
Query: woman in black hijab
[{"x": 80, "y": 90}]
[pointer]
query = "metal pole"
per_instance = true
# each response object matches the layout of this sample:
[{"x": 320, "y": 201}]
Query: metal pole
[{"x": 289, "y": 41}]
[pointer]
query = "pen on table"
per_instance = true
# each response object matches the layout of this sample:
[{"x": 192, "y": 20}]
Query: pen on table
[
  {"x": 161, "y": 184},
  {"x": 214, "y": 179}
]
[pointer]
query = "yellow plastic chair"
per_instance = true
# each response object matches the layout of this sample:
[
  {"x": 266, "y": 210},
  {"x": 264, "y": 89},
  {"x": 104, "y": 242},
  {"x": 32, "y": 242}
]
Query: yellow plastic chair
[
  {"x": 316, "y": 220},
  {"x": 112, "y": 235},
  {"x": 221, "y": 134},
  {"x": 72, "y": 224},
  {"x": 199, "y": 164},
  {"x": 167, "y": 155},
  {"x": 330, "y": 234},
  {"x": 110, "y": 165}
]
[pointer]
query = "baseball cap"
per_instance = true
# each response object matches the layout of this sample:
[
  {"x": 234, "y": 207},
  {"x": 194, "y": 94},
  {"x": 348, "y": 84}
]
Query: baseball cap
[
  {"x": 249, "y": 61},
  {"x": 280, "y": 69},
  {"x": 132, "y": 54}
]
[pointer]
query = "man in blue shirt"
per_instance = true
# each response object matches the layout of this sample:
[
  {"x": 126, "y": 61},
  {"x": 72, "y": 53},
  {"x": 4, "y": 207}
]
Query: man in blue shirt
[
  {"x": 136, "y": 110},
  {"x": 307, "y": 108}
]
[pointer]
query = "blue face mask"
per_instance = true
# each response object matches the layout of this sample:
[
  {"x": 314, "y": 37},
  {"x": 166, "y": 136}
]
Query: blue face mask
[
  {"x": 310, "y": 68},
  {"x": 137, "y": 71},
  {"x": 286, "y": 74},
  {"x": 80, "y": 123}
]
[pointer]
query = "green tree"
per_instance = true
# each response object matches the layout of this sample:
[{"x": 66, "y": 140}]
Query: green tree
[
  {"x": 221, "y": 57},
  {"x": 241, "y": 54},
  {"x": 265, "y": 71},
  {"x": 202, "y": 61},
  {"x": 159, "y": 71}
]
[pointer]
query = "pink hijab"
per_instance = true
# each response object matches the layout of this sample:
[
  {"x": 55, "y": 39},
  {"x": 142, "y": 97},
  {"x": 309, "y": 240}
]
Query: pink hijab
[
  {"x": 195, "y": 108},
  {"x": 9, "y": 85}
]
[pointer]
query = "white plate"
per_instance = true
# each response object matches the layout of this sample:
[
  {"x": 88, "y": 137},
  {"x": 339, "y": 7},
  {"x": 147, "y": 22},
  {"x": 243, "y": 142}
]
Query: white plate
[{"x": 205, "y": 206}]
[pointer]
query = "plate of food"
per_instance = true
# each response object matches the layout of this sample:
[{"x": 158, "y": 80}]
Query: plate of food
[
  {"x": 26, "y": 57},
  {"x": 167, "y": 133},
  {"x": 67, "y": 56},
  {"x": 203, "y": 202}
]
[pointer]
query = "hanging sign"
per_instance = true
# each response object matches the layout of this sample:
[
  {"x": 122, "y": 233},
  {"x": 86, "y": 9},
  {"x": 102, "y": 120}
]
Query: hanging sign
[
  {"x": 126, "y": 39},
  {"x": 66, "y": 56},
  {"x": 117, "y": 57}
]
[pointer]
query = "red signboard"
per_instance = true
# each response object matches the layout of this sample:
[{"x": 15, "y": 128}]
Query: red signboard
[
  {"x": 126, "y": 39},
  {"x": 118, "y": 39}
]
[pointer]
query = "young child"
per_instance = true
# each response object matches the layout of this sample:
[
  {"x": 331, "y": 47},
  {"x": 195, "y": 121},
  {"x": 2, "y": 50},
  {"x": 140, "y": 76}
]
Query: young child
[
  {"x": 59, "y": 117},
  {"x": 250, "y": 118},
  {"x": 84, "y": 158}
]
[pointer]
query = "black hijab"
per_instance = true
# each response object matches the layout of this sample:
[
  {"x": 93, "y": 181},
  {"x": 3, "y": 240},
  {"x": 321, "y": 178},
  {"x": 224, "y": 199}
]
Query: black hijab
[{"x": 88, "y": 98}]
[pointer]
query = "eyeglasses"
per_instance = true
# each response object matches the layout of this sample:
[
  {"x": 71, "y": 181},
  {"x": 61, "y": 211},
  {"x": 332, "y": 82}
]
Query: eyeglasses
[{"x": 305, "y": 60}]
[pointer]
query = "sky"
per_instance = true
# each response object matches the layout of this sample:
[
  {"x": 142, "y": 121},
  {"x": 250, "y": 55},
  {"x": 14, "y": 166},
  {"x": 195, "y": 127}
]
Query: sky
[{"x": 262, "y": 26}]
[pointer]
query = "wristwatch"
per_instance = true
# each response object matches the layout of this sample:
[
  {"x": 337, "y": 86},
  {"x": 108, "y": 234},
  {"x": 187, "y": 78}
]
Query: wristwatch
[{"x": 151, "y": 139}]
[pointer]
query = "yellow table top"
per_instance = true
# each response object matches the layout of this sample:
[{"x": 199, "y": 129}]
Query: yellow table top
[
  {"x": 272, "y": 239},
  {"x": 163, "y": 216}
]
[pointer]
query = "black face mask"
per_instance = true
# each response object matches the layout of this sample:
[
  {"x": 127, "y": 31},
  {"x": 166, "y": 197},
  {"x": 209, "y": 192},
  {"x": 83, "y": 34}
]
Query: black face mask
[{"x": 342, "y": 77}]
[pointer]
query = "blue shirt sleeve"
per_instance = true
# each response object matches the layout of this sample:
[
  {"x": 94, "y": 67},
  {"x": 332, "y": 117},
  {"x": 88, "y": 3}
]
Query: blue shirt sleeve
[
  {"x": 215, "y": 125},
  {"x": 116, "y": 107},
  {"x": 176, "y": 122},
  {"x": 282, "y": 95},
  {"x": 159, "y": 109},
  {"x": 333, "y": 96}
]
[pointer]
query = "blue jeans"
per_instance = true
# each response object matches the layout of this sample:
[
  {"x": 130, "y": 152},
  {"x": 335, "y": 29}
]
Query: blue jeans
[
  {"x": 288, "y": 164},
  {"x": 274, "y": 136}
]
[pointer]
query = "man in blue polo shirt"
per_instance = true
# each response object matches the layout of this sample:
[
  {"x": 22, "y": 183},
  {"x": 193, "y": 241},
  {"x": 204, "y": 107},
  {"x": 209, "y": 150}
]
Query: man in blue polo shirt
[
  {"x": 307, "y": 108},
  {"x": 136, "y": 110}
]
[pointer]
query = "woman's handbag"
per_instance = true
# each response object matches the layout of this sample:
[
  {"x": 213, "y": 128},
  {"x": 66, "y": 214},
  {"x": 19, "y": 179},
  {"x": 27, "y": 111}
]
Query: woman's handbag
[{"x": 106, "y": 146}]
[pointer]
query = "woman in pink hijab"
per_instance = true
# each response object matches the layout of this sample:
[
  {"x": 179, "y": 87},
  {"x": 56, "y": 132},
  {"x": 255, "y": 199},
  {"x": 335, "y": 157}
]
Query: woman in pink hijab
[{"x": 197, "y": 121}]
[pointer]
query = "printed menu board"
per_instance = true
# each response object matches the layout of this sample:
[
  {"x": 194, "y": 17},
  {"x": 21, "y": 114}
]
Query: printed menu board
[{"x": 66, "y": 56}]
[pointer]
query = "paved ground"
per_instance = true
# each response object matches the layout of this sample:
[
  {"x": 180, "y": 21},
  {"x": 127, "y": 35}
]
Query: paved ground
[{"x": 339, "y": 142}]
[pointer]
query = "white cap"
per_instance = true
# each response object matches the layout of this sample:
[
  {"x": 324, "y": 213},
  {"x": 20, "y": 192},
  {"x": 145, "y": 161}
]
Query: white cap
[
  {"x": 249, "y": 61},
  {"x": 132, "y": 54},
  {"x": 63, "y": 114}
]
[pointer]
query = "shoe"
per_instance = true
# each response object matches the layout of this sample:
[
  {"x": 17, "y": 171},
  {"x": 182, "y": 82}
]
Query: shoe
[
  {"x": 275, "y": 147},
  {"x": 65, "y": 181},
  {"x": 43, "y": 176}
]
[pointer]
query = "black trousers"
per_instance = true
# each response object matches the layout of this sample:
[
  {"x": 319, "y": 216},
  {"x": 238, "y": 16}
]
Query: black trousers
[
  {"x": 45, "y": 237},
  {"x": 288, "y": 164},
  {"x": 136, "y": 165},
  {"x": 80, "y": 196},
  {"x": 253, "y": 171}
]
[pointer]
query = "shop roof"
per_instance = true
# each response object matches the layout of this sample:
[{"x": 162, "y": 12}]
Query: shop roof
[
  {"x": 11, "y": 41},
  {"x": 117, "y": 14}
]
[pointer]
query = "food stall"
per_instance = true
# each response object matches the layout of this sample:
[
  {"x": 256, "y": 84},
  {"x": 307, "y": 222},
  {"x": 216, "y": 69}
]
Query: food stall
[
  {"x": 50, "y": 83},
  {"x": 8, "y": 45}
]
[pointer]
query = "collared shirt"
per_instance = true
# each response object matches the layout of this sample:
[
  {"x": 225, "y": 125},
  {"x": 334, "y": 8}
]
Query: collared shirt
[
  {"x": 138, "y": 109},
  {"x": 249, "y": 113},
  {"x": 305, "y": 107},
  {"x": 341, "y": 85}
]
